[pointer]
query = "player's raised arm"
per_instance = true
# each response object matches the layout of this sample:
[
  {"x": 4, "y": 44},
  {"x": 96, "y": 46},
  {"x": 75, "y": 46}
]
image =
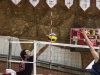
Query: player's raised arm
[
  {"x": 41, "y": 51},
  {"x": 93, "y": 52}
]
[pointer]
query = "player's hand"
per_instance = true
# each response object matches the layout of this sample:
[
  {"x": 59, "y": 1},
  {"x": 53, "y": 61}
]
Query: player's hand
[
  {"x": 98, "y": 33},
  {"x": 83, "y": 31}
]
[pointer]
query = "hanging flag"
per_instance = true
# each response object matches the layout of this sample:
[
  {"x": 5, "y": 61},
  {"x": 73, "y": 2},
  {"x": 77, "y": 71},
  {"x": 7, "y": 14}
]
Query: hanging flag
[
  {"x": 34, "y": 2},
  {"x": 15, "y": 1},
  {"x": 51, "y": 3},
  {"x": 68, "y": 3},
  {"x": 98, "y": 4},
  {"x": 84, "y": 4}
]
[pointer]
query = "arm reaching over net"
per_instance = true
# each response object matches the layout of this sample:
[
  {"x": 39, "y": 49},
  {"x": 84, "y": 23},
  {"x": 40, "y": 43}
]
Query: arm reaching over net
[
  {"x": 41, "y": 51},
  {"x": 95, "y": 70},
  {"x": 93, "y": 52}
]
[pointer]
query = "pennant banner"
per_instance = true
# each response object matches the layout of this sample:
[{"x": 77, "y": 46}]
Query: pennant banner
[
  {"x": 34, "y": 2},
  {"x": 68, "y": 3},
  {"x": 51, "y": 3},
  {"x": 15, "y": 1},
  {"x": 84, "y": 4},
  {"x": 98, "y": 4}
]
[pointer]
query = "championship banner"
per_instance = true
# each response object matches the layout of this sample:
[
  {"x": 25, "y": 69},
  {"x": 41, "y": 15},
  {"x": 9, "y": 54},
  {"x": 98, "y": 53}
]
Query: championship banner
[
  {"x": 15, "y": 1},
  {"x": 68, "y": 3},
  {"x": 98, "y": 4},
  {"x": 84, "y": 4},
  {"x": 34, "y": 2},
  {"x": 51, "y": 3}
]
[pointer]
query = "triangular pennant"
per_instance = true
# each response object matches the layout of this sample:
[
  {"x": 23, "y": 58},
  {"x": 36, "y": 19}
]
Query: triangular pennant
[
  {"x": 34, "y": 2},
  {"x": 15, "y": 1},
  {"x": 90, "y": 65},
  {"x": 51, "y": 3},
  {"x": 98, "y": 4},
  {"x": 84, "y": 4},
  {"x": 68, "y": 3}
]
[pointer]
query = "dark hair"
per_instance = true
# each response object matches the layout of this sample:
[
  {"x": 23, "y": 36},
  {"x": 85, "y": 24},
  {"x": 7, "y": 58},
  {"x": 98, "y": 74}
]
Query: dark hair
[{"x": 23, "y": 53}]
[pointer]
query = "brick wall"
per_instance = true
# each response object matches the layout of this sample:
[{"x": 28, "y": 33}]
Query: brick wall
[
  {"x": 3, "y": 66},
  {"x": 40, "y": 70},
  {"x": 46, "y": 71}
]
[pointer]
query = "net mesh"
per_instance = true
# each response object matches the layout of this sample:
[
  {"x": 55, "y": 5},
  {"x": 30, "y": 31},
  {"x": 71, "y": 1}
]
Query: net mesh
[{"x": 57, "y": 59}]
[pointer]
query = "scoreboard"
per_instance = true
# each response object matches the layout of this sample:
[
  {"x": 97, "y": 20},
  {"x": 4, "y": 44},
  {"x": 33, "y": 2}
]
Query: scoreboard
[{"x": 77, "y": 38}]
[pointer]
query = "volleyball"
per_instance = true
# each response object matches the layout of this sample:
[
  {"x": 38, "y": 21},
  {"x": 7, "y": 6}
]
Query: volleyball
[{"x": 52, "y": 37}]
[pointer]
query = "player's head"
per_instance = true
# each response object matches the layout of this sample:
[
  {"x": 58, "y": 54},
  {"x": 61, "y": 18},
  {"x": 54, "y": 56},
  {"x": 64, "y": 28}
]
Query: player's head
[{"x": 25, "y": 53}]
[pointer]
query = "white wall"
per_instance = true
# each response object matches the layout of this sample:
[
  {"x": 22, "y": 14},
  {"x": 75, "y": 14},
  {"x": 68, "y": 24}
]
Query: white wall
[{"x": 4, "y": 46}]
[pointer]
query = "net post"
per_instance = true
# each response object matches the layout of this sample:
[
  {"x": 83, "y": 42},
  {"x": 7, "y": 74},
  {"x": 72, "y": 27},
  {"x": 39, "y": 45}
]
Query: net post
[{"x": 34, "y": 58}]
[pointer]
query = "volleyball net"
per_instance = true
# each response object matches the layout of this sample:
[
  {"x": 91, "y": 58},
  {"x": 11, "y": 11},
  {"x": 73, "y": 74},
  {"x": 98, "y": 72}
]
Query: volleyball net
[{"x": 55, "y": 59}]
